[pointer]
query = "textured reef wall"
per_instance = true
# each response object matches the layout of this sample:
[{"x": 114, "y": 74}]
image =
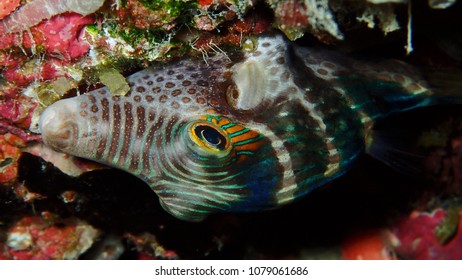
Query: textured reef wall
[{"x": 56, "y": 206}]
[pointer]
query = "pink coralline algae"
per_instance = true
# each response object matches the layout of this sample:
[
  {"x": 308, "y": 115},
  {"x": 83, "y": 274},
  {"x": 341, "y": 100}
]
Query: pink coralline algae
[
  {"x": 8, "y": 6},
  {"x": 421, "y": 235},
  {"x": 16, "y": 112},
  {"x": 59, "y": 36},
  {"x": 35, "y": 11},
  {"x": 53, "y": 44},
  {"x": 418, "y": 239},
  {"x": 23, "y": 75},
  {"x": 40, "y": 238},
  {"x": 9, "y": 153}
]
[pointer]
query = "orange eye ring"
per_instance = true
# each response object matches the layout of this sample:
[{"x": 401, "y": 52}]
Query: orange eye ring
[{"x": 209, "y": 136}]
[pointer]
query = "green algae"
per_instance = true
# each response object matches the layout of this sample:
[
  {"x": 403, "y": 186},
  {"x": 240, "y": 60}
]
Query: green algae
[
  {"x": 447, "y": 229},
  {"x": 174, "y": 8},
  {"x": 62, "y": 85},
  {"x": 114, "y": 81},
  {"x": 46, "y": 94}
]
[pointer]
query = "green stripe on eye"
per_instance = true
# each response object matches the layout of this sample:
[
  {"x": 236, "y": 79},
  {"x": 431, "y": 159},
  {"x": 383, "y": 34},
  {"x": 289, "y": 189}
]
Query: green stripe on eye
[
  {"x": 217, "y": 118},
  {"x": 240, "y": 132},
  {"x": 247, "y": 153},
  {"x": 248, "y": 141},
  {"x": 226, "y": 126}
]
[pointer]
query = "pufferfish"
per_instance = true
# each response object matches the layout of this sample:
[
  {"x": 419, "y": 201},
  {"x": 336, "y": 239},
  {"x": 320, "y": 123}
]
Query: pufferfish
[{"x": 250, "y": 133}]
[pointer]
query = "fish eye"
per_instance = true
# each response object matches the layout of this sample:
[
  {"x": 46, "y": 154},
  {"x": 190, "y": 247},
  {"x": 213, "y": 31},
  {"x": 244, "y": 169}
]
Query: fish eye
[{"x": 210, "y": 136}]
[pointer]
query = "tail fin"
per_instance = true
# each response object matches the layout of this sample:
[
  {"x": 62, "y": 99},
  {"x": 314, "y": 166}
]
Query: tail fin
[
  {"x": 445, "y": 84},
  {"x": 391, "y": 86},
  {"x": 407, "y": 141},
  {"x": 389, "y": 148}
]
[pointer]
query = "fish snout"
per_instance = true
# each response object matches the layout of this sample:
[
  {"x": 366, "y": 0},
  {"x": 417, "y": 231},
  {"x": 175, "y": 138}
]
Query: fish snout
[{"x": 58, "y": 125}]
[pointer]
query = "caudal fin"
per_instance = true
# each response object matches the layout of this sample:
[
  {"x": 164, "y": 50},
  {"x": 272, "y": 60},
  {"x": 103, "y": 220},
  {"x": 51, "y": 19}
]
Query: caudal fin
[
  {"x": 446, "y": 85},
  {"x": 390, "y": 148}
]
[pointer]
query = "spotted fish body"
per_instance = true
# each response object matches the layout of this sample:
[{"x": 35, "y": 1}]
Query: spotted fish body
[{"x": 242, "y": 135}]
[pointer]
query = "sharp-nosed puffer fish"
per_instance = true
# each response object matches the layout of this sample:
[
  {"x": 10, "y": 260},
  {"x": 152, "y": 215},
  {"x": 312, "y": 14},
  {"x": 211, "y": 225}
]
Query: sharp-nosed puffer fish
[{"x": 247, "y": 134}]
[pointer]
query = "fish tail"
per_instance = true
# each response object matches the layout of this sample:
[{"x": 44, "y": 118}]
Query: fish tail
[
  {"x": 445, "y": 85},
  {"x": 396, "y": 147},
  {"x": 394, "y": 86}
]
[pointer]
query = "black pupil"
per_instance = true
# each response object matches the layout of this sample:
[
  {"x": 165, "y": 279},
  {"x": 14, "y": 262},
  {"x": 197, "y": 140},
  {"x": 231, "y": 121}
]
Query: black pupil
[{"x": 211, "y": 136}]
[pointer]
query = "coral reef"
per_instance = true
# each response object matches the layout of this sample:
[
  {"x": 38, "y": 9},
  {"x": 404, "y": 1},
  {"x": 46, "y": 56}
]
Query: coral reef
[
  {"x": 295, "y": 17},
  {"x": 418, "y": 236},
  {"x": 6, "y": 7},
  {"x": 421, "y": 235},
  {"x": 36, "y": 11},
  {"x": 47, "y": 238},
  {"x": 55, "y": 206},
  {"x": 369, "y": 244},
  {"x": 10, "y": 150}
]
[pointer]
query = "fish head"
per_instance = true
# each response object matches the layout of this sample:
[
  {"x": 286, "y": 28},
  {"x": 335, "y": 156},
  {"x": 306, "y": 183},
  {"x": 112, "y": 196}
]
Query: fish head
[
  {"x": 59, "y": 125},
  {"x": 194, "y": 130}
]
